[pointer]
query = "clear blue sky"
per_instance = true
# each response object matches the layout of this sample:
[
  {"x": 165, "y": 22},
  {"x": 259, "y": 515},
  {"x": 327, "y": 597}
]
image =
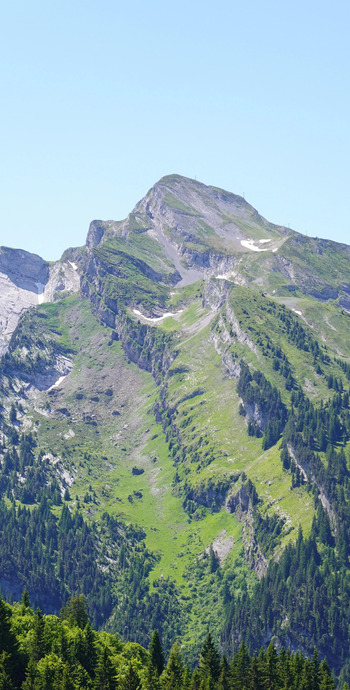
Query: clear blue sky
[{"x": 100, "y": 100}]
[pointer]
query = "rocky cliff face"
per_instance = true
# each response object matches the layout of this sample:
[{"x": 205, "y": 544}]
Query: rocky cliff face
[
  {"x": 64, "y": 278},
  {"x": 26, "y": 280},
  {"x": 198, "y": 226},
  {"x": 23, "y": 277},
  {"x": 202, "y": 231}
]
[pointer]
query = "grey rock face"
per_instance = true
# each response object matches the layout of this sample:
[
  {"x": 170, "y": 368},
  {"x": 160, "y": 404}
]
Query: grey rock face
[
  {"x": 326, "y": 292},
  {"x": 63, "y": 278},
  {"x": 26, "y": 280},
  {"x": 24, "y": 269},
  {"x": 22, "y": 279},
  {"x": 96, "y": 231},
  {"x": 344, "y": 303}
]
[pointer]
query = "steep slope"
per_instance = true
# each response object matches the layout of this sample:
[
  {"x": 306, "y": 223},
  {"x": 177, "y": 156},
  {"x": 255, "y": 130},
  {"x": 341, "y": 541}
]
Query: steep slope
[
  {"x": 184, "y": 228},
  {"x": 26, "y": 280},
  {"x": 185, "y": 393}
]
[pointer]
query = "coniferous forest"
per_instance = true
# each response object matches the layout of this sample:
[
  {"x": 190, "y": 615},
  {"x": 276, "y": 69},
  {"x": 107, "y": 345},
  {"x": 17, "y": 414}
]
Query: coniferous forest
[{"x": 46, "y": 652}]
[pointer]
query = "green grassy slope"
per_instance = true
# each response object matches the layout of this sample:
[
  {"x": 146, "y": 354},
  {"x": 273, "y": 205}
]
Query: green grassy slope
[{"x": 149, "y": 423}]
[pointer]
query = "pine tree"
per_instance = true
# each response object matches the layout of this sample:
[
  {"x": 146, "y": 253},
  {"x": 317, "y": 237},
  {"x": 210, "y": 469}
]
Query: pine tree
[
  {"x": 315, "y": 666},
  {"x": 186, "y": 679},
  {"x": 25, "y": 599},
  {"x": 213, "y": 560},
  {"x": 8, "y": 641},
  {"x": 28, "y": 683},
  {"x": 131, "y": 680},
  {"x": 306, "y": 676},
  {"x": 90, "y": 654},
  {"x": 67, "y": 681},
  {"x": 5, "y": 678},
  {"x": 256, "y": 681},
  {"x": 63, "y": 646},
  {"x": 240, "y": 667},
  {"x": 326, "y": 681},
  {"x": 173, "y": 673},
  {"x": 224, "y": 676},
  {"x": 152, "y": 678},
  {"x": 75, "y": 609},
  {"x": 286, "y": 675},
  {"x": 104, "y": 673},
  {"x": 156, "y": 652},
  {"x": 196, "y": 680},
  {"x": 49, "y": 673},
  {"x": 38, "y": 642},
  {"x": 209, "y": 660},
  {"x": 271, "y": 666}
]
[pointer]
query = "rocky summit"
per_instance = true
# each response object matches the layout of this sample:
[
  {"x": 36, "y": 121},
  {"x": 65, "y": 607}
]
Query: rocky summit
[{"x": 175, "y": 426}]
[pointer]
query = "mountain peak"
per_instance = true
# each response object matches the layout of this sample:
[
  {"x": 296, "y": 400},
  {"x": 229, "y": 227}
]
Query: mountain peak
[{"x": 182, "y": 349}]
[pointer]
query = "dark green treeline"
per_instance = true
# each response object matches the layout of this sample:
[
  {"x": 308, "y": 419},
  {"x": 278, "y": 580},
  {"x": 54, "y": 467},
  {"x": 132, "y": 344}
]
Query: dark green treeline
[{"x": 44, "y": 652}]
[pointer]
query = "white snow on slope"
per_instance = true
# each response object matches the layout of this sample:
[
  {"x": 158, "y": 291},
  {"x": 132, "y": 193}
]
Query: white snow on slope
[
  {"x": 58, "y": 383},
  {"x": 155, "y": 319},
  {"x": 41, "y": 288},
  {"x": 249, "y": 244}
]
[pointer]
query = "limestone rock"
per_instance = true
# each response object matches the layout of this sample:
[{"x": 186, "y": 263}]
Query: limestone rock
[
  {"x": 23, "y": 277},
  {"x": 27, "y": 280}
]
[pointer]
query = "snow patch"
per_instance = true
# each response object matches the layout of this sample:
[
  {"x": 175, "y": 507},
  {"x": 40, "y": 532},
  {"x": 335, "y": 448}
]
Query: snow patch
[
  {"x": 58, "y": 383},
  {"x": 73, "y": 265},
  {"x": 225, "y": 276},
  {"x": 156, "y": 319},
  {"x": 263, "y": 241},
  {"x": 249, "y": 244},
  {"x": 297, "y": 311},
  {"x": 41, "y": 288}
]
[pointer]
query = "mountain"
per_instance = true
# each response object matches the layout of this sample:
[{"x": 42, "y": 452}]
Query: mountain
[{"x": 175, "y": 426}]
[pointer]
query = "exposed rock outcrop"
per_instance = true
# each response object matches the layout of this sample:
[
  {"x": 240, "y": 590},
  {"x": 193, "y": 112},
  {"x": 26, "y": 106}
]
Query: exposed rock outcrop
[
  {"x": 96, "y": 232},
  {"x": 26, "y": 280},
  {"x": 240, "y": 503},
  {"x": 23, "y": 277},
  {"x": 63, "y": 279}
]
